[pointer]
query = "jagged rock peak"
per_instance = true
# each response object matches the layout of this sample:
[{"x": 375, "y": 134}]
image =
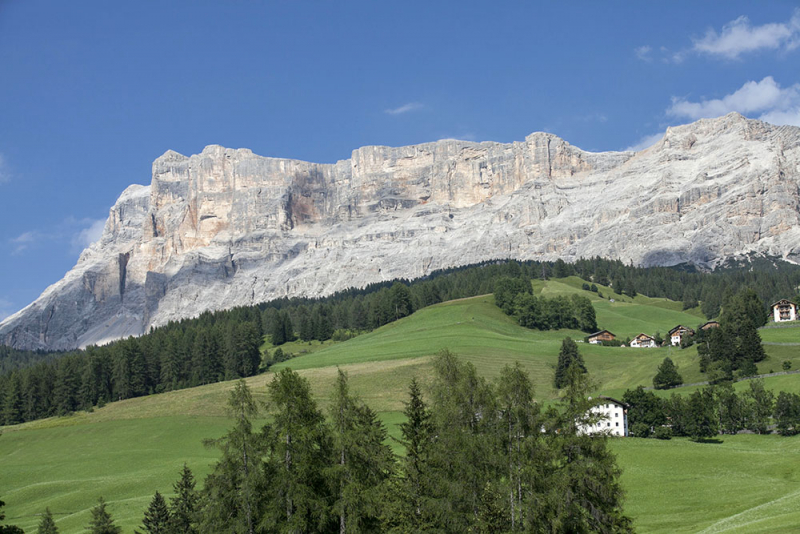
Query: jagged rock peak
[{"x": 227, "y": 227}]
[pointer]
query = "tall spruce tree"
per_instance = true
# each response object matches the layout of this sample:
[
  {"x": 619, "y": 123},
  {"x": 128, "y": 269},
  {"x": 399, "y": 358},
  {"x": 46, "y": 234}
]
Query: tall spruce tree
[
  {"x": 667, "y": 375},
  {"x": 183, "y": 507},
  {"x": 232, "y": 492},
  {"x": 566, "y": 356},
  {"x": 519, "y": 418},
  {"x": 410, "y": 508},
  {"x": 102, "y": 522},
  {"x": 363, "y": 462},
  {"x": 47, "y": 524},
  {"x": 299, "y": 449},
  {"x": 156, "y": 517}
]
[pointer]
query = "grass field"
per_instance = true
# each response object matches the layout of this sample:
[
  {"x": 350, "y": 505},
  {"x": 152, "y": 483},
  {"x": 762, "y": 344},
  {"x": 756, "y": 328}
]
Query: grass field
[{"x": 127, "y": 450}]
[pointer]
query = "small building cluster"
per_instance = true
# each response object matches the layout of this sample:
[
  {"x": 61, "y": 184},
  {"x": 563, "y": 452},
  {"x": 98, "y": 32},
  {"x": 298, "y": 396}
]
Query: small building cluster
[{"x": 677, "y": 334}]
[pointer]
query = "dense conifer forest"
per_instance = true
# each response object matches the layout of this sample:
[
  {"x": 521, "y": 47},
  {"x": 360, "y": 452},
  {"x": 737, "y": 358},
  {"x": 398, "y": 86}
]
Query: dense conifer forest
[{"x": 225, "y": 345}]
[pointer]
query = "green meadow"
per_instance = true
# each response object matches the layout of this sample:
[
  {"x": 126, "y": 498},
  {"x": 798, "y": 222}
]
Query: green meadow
[{"x": 127, "y": 450}]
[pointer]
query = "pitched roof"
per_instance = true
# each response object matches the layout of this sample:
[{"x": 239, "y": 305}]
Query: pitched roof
[
  {"x": 783, "y": 302},
  {"x": 600, "y": 332},
  {"x": 644, "y": 335},
  {"x": 679, "y": 327},
  {"x": 612, "y": 399}
]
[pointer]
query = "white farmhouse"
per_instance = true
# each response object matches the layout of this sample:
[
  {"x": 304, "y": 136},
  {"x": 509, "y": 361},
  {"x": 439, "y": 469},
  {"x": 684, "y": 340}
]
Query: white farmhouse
[
  {"x": 784, "y": 310},
  {"x": 613, "y": 417},
  {"x": 678, "y": 333},
  {"x": 643, "y": 340}
]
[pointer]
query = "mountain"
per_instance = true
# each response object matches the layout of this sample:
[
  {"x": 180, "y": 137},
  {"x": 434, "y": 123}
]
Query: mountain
[{"x": 227, "y": 227}]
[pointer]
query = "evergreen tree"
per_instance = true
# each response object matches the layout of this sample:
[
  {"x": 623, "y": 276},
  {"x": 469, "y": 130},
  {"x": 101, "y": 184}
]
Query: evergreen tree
[
  {"x": 232, "y": 502},
  {"x": 184, "y": 505},
  {"x": 519, "y": 419},
  {"x": 102, "y": 522},
  {"x": 667, "y": 375},
  {"x": 646, "y": 412},
  {"x": 156, "y": 517},
  {"x": 12, "y": 405},
  {"x": 568, "y": 354},
  {"x": 363, "y": 464},
  {"x": 585, "y": 494},
  {"x": 299, "y": 449},
  {"x": 400, "y": 301},
  {"x": 411, "y": 509},
  {"x": 47, "y": 524}
]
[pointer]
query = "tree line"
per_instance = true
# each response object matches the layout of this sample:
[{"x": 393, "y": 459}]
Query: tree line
[
  {"x": 224, "y": 345},
  {"x": 713, "y": 410}
]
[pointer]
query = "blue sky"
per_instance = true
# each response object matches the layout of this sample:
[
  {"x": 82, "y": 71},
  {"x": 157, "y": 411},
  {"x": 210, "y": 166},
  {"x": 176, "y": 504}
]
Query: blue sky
[{"x": 91, "y": 92}]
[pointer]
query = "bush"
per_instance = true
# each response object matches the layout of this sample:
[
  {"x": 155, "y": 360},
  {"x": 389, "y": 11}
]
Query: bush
[
  {"x": 787, "y": 365},
  {"x": 663, "y": 432},
  {"x": 586, "y": 287},
  {"x": 640, "y": 430}
]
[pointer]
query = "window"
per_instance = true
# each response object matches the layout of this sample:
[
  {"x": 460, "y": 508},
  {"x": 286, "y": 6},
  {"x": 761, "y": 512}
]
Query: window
[
  {"x": 617, "y": 423},
  {"x": 609, "y": 424}
]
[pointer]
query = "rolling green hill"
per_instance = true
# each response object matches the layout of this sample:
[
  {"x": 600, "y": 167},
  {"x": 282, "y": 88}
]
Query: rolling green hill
[{"x": 127, "y": 450}]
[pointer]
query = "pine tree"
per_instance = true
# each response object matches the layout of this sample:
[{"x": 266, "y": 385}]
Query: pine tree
[
  {"x": 184, "y": 505},
  {"x": 702, "y": 416},
  {"x": 518, "y": 412},
  {"x": 759, "y": 406},
  {"x": 12, "y": 405},
  {"x": 47, "y": 525},
  {"x": 667, "y": 375},
  {"x": 156, "y": 517},
  {"x": 232, "y": 491},
  {"x": 364, "y": 462},
  {"x": 102, "y": 522},
  {"x": 410, "y": 507},
  {"x": 568, "y": 354},
  {"x": 299, "y": 449}
]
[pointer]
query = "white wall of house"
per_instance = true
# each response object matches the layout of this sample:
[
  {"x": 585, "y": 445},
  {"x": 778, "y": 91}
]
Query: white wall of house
[
  {"x": 649, "y": 343},
  {"x": 676, "y": 339},
  {"x": 613, "y": 419},
  {"x": 777, "y": 315}
]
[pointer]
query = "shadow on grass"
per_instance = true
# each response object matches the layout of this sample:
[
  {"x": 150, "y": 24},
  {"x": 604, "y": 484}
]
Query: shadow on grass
[{"x": 707, "y": 440}]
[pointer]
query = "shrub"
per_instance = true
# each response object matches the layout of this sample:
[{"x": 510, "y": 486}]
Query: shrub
[{"x": 663, "y": 432}]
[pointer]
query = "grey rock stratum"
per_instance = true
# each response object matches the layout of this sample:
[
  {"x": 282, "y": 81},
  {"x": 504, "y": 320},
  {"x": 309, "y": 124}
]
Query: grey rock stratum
[{"x": 227, "y": 227}]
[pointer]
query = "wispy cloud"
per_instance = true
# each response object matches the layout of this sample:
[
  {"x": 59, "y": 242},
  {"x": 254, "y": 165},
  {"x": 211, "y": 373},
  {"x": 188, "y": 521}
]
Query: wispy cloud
[
  {"x": 767, "y": 99},
  {"x": 645, "y": 142},
  {"x": 24, "y": 241},
  {"x": 643, "y": 52},
  {"x": 405, "y": 108},
  {"x": 79, "y": 233},
  {"x": 92, "y": 231},
  {"x": 740, "y": 37}
]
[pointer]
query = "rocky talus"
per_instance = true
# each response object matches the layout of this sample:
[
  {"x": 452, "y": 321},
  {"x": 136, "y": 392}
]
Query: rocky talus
[{"x": 227, "y": 227}]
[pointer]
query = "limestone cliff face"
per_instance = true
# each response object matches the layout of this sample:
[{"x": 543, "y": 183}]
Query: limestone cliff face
[{"x": 227, "y": 227}]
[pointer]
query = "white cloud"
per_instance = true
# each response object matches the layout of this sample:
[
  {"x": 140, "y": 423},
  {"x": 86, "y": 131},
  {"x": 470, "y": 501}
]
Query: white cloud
[
  {"x": 25, "y": 240},
  {"x": 643, "y": 52},
  {"x": 405, "y": 108},
  {"x": 89, "y": 234},
  {"x": 646, "y": 142},
  {"x": 767, "y": 98},
  {"x": 740, "y": 37}
]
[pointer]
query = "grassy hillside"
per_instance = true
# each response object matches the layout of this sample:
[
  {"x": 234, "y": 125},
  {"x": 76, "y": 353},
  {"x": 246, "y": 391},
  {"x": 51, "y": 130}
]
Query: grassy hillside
[{"x": 127, "y": 450}]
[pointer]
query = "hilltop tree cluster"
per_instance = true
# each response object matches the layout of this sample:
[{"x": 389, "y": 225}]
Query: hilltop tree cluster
[{"x": 514, "y": 296}]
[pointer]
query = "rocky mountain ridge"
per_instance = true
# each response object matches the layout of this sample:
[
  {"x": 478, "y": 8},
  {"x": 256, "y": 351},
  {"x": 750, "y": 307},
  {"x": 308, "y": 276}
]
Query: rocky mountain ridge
[{"x": 227, "y": 227}]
